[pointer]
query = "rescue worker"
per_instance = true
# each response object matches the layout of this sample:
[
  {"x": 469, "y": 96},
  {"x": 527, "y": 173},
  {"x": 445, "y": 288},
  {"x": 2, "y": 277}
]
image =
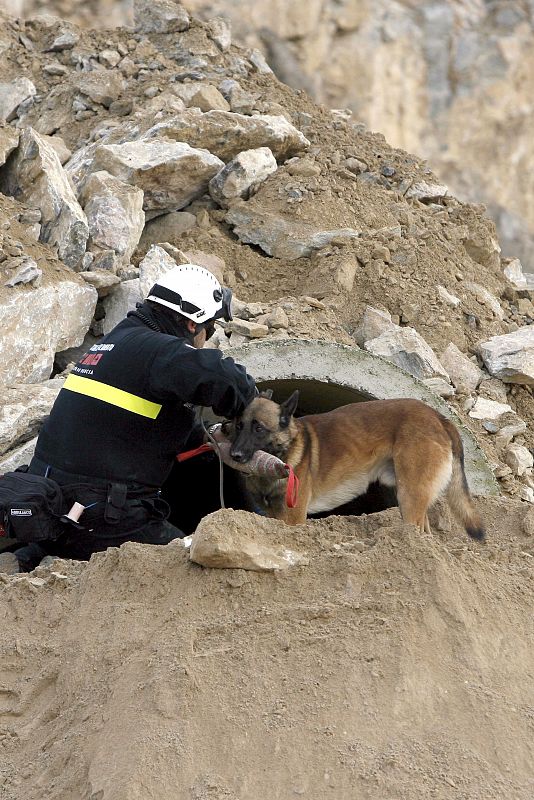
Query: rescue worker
[{"x": 125, "y": 411}]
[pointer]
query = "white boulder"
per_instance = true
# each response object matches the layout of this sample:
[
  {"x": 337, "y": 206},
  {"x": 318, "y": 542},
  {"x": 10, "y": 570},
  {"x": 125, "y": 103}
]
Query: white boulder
[
  {"x": 226, "y": 134},
  {"x": 12, "y": 94},
  {"x": 115, "y": 215},
  {"x": 246, "y": 170},
  {"x": 465, "y": 375},
  {"x": 510, "y": 357},
  {"x": 35, "y": 176},
  {"x": 38, "y": 322},
  {"x": 408, "y": 350},
  {"x": 171, "y": 174}
]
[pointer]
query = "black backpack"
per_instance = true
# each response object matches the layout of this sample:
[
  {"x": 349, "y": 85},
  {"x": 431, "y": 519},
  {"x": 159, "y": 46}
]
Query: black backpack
[{"x": 30, "y": 507}]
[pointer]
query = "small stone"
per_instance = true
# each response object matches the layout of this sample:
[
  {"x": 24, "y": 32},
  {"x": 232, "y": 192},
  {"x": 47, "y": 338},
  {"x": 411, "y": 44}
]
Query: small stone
[
  {"x": 488, "y": 409},
  {"x": 65, "y": 41},
  {"x": 209, "y": 98},
  {"x": 527, "y": 524},
  {"x": 28, "y": 272},
  {"x": 426, "y": 192},
  {"x": 355, "y": 166},
  {"x": 448, "y": 298},
  {"x": 252, "y": 330},
  {"x": 55, "y": 69},
  {"x": 440, "y": 387},
  {"x": 160, "y": 16},
  {"x": 526, "y": 493},
  {"x": 277, "y": 319},
  {"x": 518, "y": 458},
  {"x": 507, "y": 433},
  {"x": 408, "y": 350},
  {"x": 110, "y": 58},
  {"x": 303, "y": 167},
  {"x": 102, "y": 280},
  {"x": 464, "y": 375},
  {"x": 510, "y": 357},
  {"x": 220, "y": 31},
  {"x": 12, "y": 95},
  {"x": 241, "y": 174}
]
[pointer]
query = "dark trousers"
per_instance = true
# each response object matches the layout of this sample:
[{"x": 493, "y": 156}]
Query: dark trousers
[
  {"x": 142, "y": 519},
  {"x": 81, "y": 545}
]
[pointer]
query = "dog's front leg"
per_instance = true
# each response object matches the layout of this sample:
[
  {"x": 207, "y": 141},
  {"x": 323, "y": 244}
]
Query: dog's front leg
[{"x": 298, "y": 514}]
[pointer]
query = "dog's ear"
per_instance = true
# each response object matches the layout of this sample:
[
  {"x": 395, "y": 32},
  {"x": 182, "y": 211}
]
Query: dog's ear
[
  {"x": 288, "y": 408},
  {"x": 267, "y": 393}
]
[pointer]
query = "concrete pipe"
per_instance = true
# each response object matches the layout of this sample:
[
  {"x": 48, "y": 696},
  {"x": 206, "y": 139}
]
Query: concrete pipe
[{"x": 330, "y": 375}]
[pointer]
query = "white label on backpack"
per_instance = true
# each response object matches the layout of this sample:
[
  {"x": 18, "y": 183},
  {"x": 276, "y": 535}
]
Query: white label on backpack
[{"x": 20, "y": 512}]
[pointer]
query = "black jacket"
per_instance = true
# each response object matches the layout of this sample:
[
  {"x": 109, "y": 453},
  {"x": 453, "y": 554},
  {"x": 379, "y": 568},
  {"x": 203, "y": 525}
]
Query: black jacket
[{"x": 123, "y": 413}]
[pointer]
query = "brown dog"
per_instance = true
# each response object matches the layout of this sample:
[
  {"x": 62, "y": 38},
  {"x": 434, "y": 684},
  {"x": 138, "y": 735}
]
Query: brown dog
[{"x": 336, "y": 455}]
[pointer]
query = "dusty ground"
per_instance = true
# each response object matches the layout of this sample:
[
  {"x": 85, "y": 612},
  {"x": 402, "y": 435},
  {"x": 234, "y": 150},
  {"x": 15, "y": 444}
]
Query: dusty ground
[{"x": 393, "y": 666}]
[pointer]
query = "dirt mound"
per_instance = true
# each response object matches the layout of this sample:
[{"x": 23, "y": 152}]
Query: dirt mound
[{"x": 393, "y": 665}]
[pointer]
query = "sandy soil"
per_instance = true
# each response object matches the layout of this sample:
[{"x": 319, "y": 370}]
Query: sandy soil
[{"x": 394, "y": 666}]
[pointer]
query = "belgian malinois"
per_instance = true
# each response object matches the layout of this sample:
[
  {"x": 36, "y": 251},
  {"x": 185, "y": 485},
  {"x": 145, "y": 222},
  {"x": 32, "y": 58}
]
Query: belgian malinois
[{"x": 336, "y": 455}]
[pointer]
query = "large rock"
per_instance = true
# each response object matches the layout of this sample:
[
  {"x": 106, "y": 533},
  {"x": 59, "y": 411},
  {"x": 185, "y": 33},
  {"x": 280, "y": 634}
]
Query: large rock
[
  {"x": 37, "y": 323},
  {"x": 226, "y": 134},
  {"x": 101, "y": 86},
  {"x": 167, "y": 228},
  {"x": 160, "y": 16},
  {"x": 489, "y": 410},
  {"x": 35, "y": 176},
  {"x": 248, "y": 169},
  {"x": 374, "y": 323},
  {"x": 239, "y": 540},
  {"x": 115, "y": 215},
  {"x": 18, "y": 456},
  {"x": 12, "y": 94},
  {"x": 23, "y": 409},
  {"x": 171, "y": 174},
  {"x": 280, "y": 237},
  {"x": 156, "y": 262},
  {"x": 9, "y": 139},
  {"x": 118, "y": 302},
  {"x": 463, "y": 373},
  {"x": 408, "y": 350},
  {"x": 510, "y": 357}
]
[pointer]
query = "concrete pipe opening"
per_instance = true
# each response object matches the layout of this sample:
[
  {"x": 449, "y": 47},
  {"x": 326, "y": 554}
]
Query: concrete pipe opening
[{"x": 327, "y": 375}]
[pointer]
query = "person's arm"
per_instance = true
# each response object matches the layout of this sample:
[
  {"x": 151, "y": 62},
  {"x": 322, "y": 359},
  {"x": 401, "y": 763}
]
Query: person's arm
[{"x": 203, "y": 378}]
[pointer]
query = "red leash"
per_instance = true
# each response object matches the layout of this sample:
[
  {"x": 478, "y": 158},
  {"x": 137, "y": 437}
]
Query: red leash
[
  {"x": 292, "y": 489},
  {"x": 204, "y": 448}
]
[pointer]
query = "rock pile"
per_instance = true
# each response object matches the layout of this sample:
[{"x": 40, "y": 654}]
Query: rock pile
[{"x": 125, "y": 152}]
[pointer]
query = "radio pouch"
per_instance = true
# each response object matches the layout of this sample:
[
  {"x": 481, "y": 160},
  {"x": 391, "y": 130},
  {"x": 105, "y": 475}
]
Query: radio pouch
[{"x": 30, "y": 507}]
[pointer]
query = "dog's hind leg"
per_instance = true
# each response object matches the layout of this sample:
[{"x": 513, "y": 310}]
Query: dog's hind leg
[{"x": 420, "y": 482}]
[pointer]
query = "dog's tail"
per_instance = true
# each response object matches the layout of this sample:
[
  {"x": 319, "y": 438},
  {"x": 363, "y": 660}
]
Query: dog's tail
[{"x": 458, "y": 494}]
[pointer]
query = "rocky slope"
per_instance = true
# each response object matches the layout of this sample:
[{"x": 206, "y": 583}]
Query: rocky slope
[
  {"x": 451, "y": 81},
  {"x": 389, "y": 665}
]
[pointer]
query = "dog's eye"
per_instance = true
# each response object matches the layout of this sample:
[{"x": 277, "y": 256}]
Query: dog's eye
[{"x": 258, "y": 427}]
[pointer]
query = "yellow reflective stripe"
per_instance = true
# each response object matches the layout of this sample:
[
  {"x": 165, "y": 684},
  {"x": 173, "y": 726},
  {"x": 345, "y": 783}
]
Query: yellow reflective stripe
[{"x": 112, "y": 395}]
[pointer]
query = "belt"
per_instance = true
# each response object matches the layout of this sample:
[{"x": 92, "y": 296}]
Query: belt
[{"x": 40, "y": 467}]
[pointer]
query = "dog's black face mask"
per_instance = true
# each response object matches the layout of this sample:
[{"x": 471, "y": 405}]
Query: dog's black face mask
[{"x": 264, "y": 425}]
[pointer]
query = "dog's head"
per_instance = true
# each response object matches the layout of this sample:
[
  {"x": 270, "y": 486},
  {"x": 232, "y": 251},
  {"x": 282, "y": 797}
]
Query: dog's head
[{"x": 263, "y": 425}]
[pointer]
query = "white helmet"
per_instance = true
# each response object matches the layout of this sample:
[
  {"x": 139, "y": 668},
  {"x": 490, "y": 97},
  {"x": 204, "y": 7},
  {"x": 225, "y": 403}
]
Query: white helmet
[{"x": 193, "y": 292}]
